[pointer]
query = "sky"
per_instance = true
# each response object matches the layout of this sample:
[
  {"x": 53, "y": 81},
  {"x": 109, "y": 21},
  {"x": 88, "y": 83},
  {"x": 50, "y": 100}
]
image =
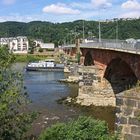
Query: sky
[{"x": 59, "y": 11}]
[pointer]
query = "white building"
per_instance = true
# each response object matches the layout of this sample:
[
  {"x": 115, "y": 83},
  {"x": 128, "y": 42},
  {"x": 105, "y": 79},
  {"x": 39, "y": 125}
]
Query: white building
[
  {"x": 17, "y": 45},
  {"x": 48, "y": 46}
]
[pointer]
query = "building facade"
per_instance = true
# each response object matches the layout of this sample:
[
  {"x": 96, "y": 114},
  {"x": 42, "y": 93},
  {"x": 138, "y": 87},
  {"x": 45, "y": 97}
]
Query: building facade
[{"x": 19, "y": 45}]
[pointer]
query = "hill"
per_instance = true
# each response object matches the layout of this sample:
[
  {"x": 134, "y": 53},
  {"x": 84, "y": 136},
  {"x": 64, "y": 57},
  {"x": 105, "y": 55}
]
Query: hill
[{"x": 60, "y": 33}]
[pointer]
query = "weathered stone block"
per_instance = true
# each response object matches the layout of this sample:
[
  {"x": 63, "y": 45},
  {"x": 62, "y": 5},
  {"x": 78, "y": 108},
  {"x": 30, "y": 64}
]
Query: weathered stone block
[
  {"x": 134, "y": 121},
  {"x": 130, "y": 102},
  {"x": 127, "y": 111},
  {"x": 126, "y": 129},
  {"x": 128, "y": 137},
  {"x": 135, "y": 130},
  {"x": 119, "y": 101},
  {"x": 139, "y": 105},
  {"x": 80, "y": 73},
  {"x": 118, "y": 110},
  {"x": 137, "y": 113},
  {"x": 80, "y": 77},
  {"x": 118, "y": 128},
  {"x": 99, "y": 79},
  {"x": 136, "y": 137},
  {"x": 81, "y": 83},
  {"x": 123, "y": 120}
]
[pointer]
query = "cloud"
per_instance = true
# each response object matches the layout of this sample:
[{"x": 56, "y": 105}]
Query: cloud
[
  {"x": 101, "y": 3},
  {"x": 60, "y": 9},
  {"x": 8, "y": 2},
  {"x": 81, "y": 5},
  {"x": 131, "y": 4}
]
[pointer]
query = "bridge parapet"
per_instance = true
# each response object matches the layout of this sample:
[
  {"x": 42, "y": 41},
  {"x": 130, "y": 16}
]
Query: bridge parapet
[{"x": 118, "y": 46}]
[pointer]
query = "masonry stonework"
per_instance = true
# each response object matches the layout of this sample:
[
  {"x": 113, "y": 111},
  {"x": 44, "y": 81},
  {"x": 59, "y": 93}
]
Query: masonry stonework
[
  {"x": 128, "y": 115},
  {"x": 93, "y": 89},
  {"x": 102, "y": 58}
]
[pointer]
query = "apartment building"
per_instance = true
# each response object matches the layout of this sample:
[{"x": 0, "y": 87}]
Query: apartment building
[{"x": 19, "y": 45}]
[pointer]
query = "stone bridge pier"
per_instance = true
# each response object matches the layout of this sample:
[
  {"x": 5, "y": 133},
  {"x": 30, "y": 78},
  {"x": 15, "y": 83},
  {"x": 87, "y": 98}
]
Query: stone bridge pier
[
  {"x": 93, "y": 89},
  {"x": 104, "y": 74},
  {"x": 111, "y": 78}
]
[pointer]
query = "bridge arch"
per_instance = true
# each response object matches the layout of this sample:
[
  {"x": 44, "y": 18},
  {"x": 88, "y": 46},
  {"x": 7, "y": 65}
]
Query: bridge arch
[
  {"x": 88, "y": 59},
  {"x": 120, "y": 75}
]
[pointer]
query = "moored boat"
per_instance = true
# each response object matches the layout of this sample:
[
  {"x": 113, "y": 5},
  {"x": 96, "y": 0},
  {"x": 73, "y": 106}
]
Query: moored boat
[{"x": 45, "y": 65}]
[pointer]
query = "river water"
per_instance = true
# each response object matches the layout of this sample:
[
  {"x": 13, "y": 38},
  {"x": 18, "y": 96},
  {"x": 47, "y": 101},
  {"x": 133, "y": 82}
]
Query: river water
[{"x": 44, "y": 90}]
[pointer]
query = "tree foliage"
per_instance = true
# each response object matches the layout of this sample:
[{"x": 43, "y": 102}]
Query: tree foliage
[
  {"x": 14, "y": 119},
  {"x": 84, "y": 128},
  {"x": 67, "y": 32}
]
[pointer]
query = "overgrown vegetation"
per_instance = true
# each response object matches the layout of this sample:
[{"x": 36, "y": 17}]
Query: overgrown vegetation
[
  {"x": 14, "y": 117},
  {"x": 84, "y": 128},
  {"x": 29, "y": 58},
  {"x": 66, "y": 32}
]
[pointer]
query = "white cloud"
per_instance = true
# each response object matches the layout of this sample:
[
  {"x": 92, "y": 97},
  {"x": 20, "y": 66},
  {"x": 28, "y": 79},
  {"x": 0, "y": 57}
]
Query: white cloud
[
  {"x": 133, "y": 14},
  {"x": 8, "y": 2},
  {"x": 101, "y": 3},
  {"x": 131, "y": 4},
  {"x": 60, "y": 9},
  {"x": 81, "y": 5}
]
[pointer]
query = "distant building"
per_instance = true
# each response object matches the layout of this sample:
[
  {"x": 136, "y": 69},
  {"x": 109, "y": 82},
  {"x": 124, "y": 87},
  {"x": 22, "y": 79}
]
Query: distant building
[
  {"x": 48, "y": 46},
  {"x": 90, "y": 39},
  {"x": 4, "y": 41},
  {"x": 39, "y": 44},
  {"x": 19, "y": 45},
  {"x": 131, "y": 40}
]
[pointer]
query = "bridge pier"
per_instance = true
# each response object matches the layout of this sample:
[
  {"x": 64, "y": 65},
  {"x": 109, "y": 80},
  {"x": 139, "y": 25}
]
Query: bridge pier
[
  {"x": 128, "y": 115},
  {"x": 93, "y": 89}
]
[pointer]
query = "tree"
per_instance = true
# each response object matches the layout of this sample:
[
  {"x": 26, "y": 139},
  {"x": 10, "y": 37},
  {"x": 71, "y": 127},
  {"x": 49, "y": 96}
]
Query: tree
[
  {"x": 31, "y": 46},
  {"x": 84, "y": 128},
  {"x": 14, "y": 118}
]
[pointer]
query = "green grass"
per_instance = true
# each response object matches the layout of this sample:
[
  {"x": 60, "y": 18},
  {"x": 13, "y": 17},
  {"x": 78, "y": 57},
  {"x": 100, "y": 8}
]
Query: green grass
[{"x": 30, "y": 58}]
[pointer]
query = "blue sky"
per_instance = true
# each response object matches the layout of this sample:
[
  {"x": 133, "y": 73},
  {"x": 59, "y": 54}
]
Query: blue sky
[{"x": 67, "y": 10}]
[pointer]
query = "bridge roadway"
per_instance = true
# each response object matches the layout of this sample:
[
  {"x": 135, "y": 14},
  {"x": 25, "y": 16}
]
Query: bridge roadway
[
  {"x": 121, "y": 46},
  {"x": 116, "y": 46}
]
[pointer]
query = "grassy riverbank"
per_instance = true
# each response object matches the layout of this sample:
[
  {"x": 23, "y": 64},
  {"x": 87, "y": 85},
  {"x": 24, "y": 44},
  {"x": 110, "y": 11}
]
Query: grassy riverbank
[
  {"x": 37, "y": 57},
  {"x": 32, "y": 57}
]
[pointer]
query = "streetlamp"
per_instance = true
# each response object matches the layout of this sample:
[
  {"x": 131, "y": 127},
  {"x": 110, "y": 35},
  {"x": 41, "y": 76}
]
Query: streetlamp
[
  {"x": 83, "y": 31},
  {"x": 99, "y": 26},
  {"x": 117, "y": 31},
  {"x": 99, "y": 31}
]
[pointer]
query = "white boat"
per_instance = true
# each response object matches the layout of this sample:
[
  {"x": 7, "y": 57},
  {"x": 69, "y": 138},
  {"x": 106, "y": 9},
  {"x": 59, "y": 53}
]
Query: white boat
[{"x": 45, "y": 65}]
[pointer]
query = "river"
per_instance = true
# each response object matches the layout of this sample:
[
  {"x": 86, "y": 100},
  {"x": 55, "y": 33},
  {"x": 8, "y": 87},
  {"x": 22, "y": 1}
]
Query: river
[{"x": 44, "y": 90}]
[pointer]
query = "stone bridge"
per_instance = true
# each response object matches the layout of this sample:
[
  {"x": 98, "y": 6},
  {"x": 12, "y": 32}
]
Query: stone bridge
[
  {"x": 107, "y": 69},
  {"x": 109, "y": 75}
]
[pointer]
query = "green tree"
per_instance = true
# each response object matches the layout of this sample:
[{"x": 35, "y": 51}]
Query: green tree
[
  {"x": 31, "y": 46},
  {"x": 84, "y": 128},
  {"x": 14, "y": 118}
]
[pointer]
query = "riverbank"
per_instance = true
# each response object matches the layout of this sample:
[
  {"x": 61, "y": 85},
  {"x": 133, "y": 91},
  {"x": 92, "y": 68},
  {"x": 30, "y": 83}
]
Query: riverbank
[
  {"x": 32, "y": 57},
  {"x": 97, "y": 112}
]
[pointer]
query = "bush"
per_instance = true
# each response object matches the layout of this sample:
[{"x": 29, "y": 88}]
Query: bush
[
  {"x": 40, "y": 50},
  {"x": 84, "y": 128},
  {"x": 15, "y": 121}
]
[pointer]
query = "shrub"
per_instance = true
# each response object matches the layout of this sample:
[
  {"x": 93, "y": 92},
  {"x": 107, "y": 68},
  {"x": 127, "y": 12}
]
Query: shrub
[
  {"x": 84, "y": 128},
  {"x": 15, "y": 121},
  {"x": 40, "y": 50}
]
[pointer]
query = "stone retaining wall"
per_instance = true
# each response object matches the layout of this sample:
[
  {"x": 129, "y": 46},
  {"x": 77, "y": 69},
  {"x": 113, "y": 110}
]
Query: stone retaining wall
[{"x": 128, "y": 116}]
